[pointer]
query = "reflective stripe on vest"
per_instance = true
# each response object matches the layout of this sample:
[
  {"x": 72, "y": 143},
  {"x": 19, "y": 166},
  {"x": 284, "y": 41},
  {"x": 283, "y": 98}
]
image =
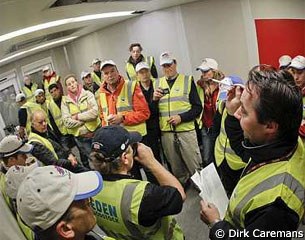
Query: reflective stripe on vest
[
  {"x": 264, "y": 185},
  {"x": 33, "y": 137},
  {"x": 201, "y": 96},
  {"x": 124, "y": 104},
  {"x": 29, "y": 93},
  {"x": 30, "y": 108},
  {"x": 82, "y": 107},
  {"x": 118, "y": 216},
  {"x": 130, "y": 69},
  {"x": 223, "y": 149},
  {"x": 174, "y": 103},
  {"x": 57, "y": 116},
  {"x": 96, "y": 78}
]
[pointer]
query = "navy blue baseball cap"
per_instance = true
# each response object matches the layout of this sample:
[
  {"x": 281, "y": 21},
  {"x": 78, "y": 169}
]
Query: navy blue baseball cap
[{"x": 113, "y": 140}]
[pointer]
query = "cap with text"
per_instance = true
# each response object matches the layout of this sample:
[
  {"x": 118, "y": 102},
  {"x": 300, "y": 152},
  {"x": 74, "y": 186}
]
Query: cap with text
[
  {"x": 166, "y": 58},
  {"x": 284, "y": 61},
  {"x": 208, "y": 64}
]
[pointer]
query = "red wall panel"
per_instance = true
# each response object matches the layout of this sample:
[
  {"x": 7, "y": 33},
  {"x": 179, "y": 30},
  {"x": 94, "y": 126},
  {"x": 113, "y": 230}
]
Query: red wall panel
[{"x": 277, "y": 37}]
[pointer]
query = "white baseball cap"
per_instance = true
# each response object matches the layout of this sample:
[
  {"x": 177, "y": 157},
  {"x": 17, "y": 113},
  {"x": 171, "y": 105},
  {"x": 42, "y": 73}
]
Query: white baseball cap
[
  {"x": 20, "y": 97},
  {"x": 298, "y": 62},
  {"x": 47, "y": 193},
  {"x": 38, "y": 91},
  {"x": 284, "y": 61},
  {"x": 11, "y": 144},
  {"x": 107, "y": 62},
  {"x": 141, "y": 65},
  {"x": 207, "y": 64},
  {"x": 166, "y": 58},
  {"x": 84, "y": 74},
  {"x": 45, "y": 68},
  {"x": 95, "y": 61},
  {"x": 15, "y": 176}
]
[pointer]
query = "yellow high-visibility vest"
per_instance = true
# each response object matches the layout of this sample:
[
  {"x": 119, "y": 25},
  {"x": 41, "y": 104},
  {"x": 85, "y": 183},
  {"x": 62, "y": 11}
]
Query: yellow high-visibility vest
[
  {"x": 223, "y": 149},
  {"x": 33, "y": 137},
  {"x": 29, "y": 93},
  {"x": 96, "y": 78},
  {"x": 57, "y": 116},
  {"x": 118, "y": 216},
  {"x": 261, "y": 187},
  {"x": 124, "y": 104},
  {"x": 82, "y": 107},
  {"x": 131, "y": 71},
  {"x": 46, "y": 85},
  {"x": 174, "y": 103}
]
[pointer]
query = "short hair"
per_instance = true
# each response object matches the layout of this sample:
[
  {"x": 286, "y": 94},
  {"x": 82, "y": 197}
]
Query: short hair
[
  {"x": 135, "y": 45},
  {"x": 69, "y": 76},
  {"x": 280, "y": 100},
  {"x": 53, "y": 85}
]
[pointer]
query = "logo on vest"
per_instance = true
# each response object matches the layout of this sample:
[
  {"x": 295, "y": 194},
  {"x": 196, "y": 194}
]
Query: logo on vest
[
  {"x": 104, "y": 210},
  {"x": 122, "y": 99}
]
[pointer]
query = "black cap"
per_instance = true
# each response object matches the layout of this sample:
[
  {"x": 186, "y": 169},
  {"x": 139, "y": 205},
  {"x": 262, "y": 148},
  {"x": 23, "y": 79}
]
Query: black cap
[{"x": 113, "y": 140}]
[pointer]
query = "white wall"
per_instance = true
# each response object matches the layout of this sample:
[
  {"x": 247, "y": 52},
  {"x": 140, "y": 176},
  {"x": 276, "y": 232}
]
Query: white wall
[{"x": 57, "y": 55}]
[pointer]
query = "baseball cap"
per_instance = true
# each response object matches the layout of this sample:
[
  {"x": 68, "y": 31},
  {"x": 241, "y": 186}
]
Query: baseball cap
[
  {"x": 20, "y": 97},
  {"x": 15, "y": 176},
  {"x": 45, "y": 68},
  {"x": 166, "y": 58},
  {"x": 113, "y": 140},
  {"x": 141, "y": 65},
  {"x": 95, "y": 60},
  {"x": 11, "y": 144},
  {"x": 284, "y": 61},
  {"x": 84, "y": 74},
  {"x": 107, "y": 62},
  {"x": 298, "y": 62},
  {"x": 38, "y": 91},
  {"x": 207, "y": 64},
  {"x": 47, "y": 192}
]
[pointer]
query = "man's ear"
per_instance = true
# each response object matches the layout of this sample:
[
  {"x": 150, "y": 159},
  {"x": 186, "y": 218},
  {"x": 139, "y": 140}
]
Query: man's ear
[
  {"x": 65, "y": 230},
  {"x": 272, "y": 127}
]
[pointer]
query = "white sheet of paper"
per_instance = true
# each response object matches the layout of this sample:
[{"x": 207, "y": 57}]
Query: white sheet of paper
[{"x": 211, "y": 188}]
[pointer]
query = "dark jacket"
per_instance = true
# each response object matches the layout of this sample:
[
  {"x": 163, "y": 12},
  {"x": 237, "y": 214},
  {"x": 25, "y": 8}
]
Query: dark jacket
[{"x": 44, "y": 155}]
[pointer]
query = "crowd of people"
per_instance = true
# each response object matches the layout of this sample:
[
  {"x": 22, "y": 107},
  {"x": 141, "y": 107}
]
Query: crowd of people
[{"x": 139, "y": 140}]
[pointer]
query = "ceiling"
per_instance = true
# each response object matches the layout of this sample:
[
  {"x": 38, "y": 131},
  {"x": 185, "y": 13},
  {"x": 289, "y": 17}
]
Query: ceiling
[{"x": 19, "y": 14}]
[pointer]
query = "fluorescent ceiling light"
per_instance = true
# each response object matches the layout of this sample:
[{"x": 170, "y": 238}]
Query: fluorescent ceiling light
[
  {"x": 37, "y": 48},
  {"x": 62, "y": 22}
]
